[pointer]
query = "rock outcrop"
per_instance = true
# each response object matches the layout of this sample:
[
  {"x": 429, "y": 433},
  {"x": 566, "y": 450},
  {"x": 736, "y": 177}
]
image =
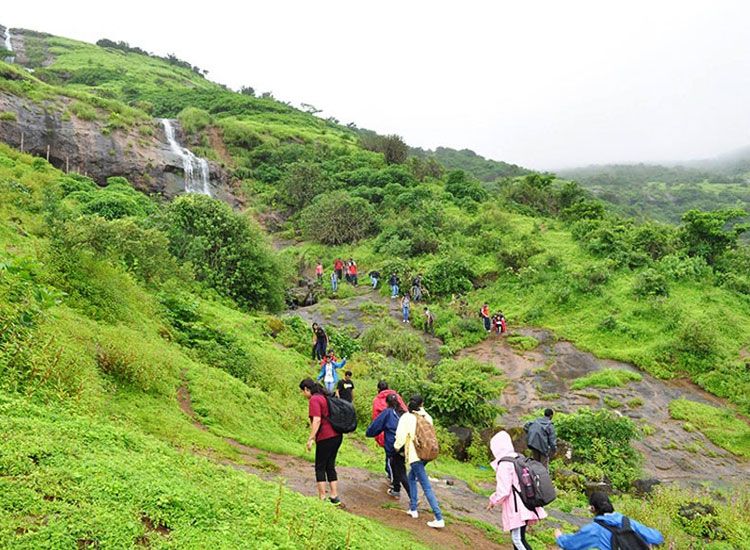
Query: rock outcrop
[{"x": 140, "y": 153}]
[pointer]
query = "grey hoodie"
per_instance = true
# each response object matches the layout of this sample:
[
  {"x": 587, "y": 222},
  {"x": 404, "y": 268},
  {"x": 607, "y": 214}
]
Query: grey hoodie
[{"x": 541, "y": 436}]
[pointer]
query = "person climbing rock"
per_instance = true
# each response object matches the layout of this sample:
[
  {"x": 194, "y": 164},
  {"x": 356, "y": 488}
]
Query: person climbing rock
[
  {"x": 405, "y": 435},
  {"x": 326, "y": 440},
  {"x": 606, "y": 525},
  {"x": 541, "y": 437},
  {"x": 379, "y": 404},
  {"x": 345, "y": 387},
  {"x": 328, "y": 373},
  {"x": 515, "y": 516},
  {"x": 386, "y": 424}
]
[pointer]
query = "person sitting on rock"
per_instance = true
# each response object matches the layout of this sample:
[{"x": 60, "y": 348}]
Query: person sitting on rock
[{"x": 606, "y": 525}]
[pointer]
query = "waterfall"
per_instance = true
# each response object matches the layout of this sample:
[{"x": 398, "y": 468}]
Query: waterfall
[
  {"x": 195, "y": 168},
  {"x": 8, "y": 46}
]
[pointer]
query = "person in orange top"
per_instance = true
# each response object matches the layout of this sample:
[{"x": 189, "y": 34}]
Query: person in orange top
[{"x": 484, "y": 313}]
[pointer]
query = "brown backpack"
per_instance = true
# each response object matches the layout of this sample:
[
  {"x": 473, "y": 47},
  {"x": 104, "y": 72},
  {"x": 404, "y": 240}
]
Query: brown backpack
[{"x": 425, "y": 440}]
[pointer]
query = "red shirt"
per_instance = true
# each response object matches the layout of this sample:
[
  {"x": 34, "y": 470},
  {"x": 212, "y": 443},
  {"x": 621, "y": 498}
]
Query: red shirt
[
  {"x": 338, "y": 265},
  {"x": 318, "y": 406}
]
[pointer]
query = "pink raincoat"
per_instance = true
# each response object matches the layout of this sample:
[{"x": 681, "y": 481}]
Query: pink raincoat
[{"x": 505, "y": 473}]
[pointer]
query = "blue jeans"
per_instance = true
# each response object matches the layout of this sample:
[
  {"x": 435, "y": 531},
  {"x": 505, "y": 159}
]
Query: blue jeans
[
  {"x": 331, "y": 387},
  {"x": 394, "y": 291},
  {"x": 405, "y": 311},
  {"x": 418, "y": 473},
  {"x": 334, "y": 285},
  {"x": 374, "y": 282}
]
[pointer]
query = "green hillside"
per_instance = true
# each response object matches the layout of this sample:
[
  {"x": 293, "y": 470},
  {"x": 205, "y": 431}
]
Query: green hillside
[
  {"x": 467, "y": 160},
  {"x": 146, "y": 349}
]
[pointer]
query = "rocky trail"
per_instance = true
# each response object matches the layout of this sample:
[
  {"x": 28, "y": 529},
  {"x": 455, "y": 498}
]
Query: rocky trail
[
  {"x": 541, "y": 378},
  {"x": 363, "y": 493}
]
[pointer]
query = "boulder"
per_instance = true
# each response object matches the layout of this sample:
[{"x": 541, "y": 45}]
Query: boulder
[
  {"x": 464, "y": 437},
  {"x": 597, "y": 486},
  {"x": 645, "y": 486}
]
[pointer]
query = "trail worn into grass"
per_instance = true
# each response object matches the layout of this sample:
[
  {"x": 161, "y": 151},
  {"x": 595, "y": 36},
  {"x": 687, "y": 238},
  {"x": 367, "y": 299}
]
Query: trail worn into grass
[
  {"x": 363, "y": 493},
  {"x": 541, "y": 378}
]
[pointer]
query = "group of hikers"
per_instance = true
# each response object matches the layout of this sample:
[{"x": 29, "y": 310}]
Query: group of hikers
[
  {"x": 406, "y": 433},
  {"x": 493, "y": 323},
  {"x": 342, "y": 270}
]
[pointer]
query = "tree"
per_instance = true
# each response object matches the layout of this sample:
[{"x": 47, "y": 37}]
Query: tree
[
  {"x": 338, "y": 218},
  {"x": 393, "y": 147},
  {"x": 301, "y": 184},
  {"x": 460, "y": 185},
  {"x": 709, "y": 234},
  {"x": 248, "y": 90}
]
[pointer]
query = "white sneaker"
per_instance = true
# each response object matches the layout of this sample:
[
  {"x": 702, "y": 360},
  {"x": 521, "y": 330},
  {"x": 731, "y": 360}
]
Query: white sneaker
[
  {"x": 436, "y": 523},
  {"x": 413, "y": 513}
]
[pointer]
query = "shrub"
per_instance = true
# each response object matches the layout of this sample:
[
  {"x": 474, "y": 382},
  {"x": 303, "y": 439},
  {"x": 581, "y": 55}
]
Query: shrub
[
  {"x": 461, "y": 185},
  {"x": 193, "y": 120},
  {"x": 650, "y": 283},
  {"x": 338, "y": 218},
  {"x": 462, "y": 394},
  {"x": 449, "y": 276},
  {"x": 82, "y": 110},
  {"x": 302, "y": 182},
  {"x": 387, "y": 338},
  {"x": 601, "y": 444},
  {"x": 226, "y": 252}
]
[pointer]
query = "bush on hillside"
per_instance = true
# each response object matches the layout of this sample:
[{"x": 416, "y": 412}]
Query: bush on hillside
[
  {"x": 650, "y": 283},
  {"x": 338, "y": 218},
  {"x": 226, "y": 252},
  {"x": 302, "y": 182},
  {"x": 193, "y": 120},
  {"x": 449, "y": 276},
  {"x": 387, "y": 338},
  {"x": 462, "y": 186}
]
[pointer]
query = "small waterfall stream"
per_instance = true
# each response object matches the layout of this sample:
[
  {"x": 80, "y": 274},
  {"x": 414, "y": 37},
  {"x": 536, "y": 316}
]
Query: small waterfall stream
[
  {"x": 195, "y": 168},
  {"x": 8, "y": 46}
]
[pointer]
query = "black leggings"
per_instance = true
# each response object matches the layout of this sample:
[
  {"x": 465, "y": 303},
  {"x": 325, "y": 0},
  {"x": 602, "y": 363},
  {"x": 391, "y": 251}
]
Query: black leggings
[
  {"x": 398, "y": 473},
  {"x": 524, "y": 544},
  {"x": 325, "y": 458}
]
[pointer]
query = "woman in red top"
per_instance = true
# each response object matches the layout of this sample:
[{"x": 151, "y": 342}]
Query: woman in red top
[{"x": 327, "y": 440}]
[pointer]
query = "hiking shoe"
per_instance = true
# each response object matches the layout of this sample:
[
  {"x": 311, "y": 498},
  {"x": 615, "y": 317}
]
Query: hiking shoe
[
  {"x": 336, "y": 501},
  {"x": 436, "y": 523},
  {"x": 413, "y": 513},
  {"x": 394, "y": 494}
]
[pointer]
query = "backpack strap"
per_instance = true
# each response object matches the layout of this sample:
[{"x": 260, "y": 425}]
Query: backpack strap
[{"x": 613, "y": 531}]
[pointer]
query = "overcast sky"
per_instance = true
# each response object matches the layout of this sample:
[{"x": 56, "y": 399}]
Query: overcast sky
[{"x": 545, "y": 84}]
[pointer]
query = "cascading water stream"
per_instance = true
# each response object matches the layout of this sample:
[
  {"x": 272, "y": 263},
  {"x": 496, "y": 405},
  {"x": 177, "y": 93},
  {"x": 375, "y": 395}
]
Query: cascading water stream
[
  {"x": 195, "y": 168},
  {"x": 8, "y": 46}
]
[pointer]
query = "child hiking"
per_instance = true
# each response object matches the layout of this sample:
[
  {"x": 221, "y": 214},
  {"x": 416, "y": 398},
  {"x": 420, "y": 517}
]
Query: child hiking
[
  {"x": 515, "y": 516},
  {"x": 405, "y": 306},
  {"x": 326, "y": 440}
]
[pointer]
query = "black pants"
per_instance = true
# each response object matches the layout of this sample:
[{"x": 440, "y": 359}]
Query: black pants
[
  {"x": 325, "y": 458},
  {"x": 319, "y": 352},
  {"x": 539, "y": 457},
  {"x": 398, "y": 472},
  {"x": 524, "y": 542}
]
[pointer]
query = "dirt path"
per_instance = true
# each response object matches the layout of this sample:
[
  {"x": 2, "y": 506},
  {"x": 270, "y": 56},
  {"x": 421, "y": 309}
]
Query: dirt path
[
  {"x": 363, "y": 493},
  {"x": 540, "y": 378}
]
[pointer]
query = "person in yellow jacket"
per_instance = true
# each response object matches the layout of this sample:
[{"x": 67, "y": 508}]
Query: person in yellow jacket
[{"x": 405, "y": 433}]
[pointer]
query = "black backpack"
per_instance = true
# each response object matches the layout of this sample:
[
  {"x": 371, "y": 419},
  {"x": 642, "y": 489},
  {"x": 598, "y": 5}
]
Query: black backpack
[
  {"x": 341, "y": 415},
  {"x": 534, "y": 481},
  {"x": 624, "y": 537}
]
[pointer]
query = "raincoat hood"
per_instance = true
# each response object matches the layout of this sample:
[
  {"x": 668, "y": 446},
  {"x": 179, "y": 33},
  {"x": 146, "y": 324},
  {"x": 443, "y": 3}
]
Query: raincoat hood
[{"x": 501, "y": 446}]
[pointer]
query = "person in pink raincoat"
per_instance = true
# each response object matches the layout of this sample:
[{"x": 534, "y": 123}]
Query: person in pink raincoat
[{"x": 515, "y": 515}]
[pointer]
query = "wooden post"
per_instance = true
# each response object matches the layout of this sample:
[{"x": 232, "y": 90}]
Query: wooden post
[
  {"x": 22, "y": 142},
  {"x": 47, "y": 153},
  {"x": 67, "y": 166}
]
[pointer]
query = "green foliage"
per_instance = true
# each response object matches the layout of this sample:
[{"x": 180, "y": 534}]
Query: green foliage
[
  {"x": 606, "y": 378},
  {"x": 338, "y": 218},
  {"x": 449, "y": 276},
  {"x": 460, "y": 393},
  {"x": 468, "y": 161},
  {"x": 301, "y": 184},
  {"x": 650, "y": 283},
  {"x": 226, "y": 252},
  {"x": 705, "y": 234},
  {"x": 721, "y": 426},
  {"x": 388, "y": 338},
  {"x": 461, "y": 186},
  {"x": 523, "y": 343},
  {"x": 601, "y": 444},
  {"x": 392, "y": 146},
  {"x": 194, "y": 120}
]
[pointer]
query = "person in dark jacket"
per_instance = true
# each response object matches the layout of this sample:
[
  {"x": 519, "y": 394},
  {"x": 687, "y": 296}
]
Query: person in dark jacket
[
  {"x": 374, "y": 278},
  {"x": 393, "y": 281},
  {"x": 386, "y": 423},
  {"x": 541, "y": 437},
  {"x": 595, "y": 535}
]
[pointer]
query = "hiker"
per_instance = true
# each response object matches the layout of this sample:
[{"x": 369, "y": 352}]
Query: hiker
[
  {"x": 429, "y": 322},
  {"x": 541, "y": 437},
  {"x": 379, "y": 404},
  {"x": 321, "y": 341},
  {"x": 319, "y": 271},
  {"x": 334, "y": 281},
  {"x": 503, "y": 323},
  {"x": 328, "y": 372},
  {"x": 393, "y": 281},
  {"x": 416, "y": 288},
  {"x": 484, "y": 313},
  {"x": 406, "y": 433},
  {"x": 606, "y": 525},
  {"x": 515, "y": 515},
  {"x": 386, "y": 423},
  {"x": 374, "y": 277},
  {"x": 315, "y": 341},
  {"x": 327, "y": 441},
  {"x": 338, "y": 268},
  {"x": 405, "y": 305},
  {"x": 353, "y": 272},
  {"x": 345, "y": 387}
]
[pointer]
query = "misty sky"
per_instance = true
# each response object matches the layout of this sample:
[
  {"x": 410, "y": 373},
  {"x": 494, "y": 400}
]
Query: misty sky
[{"x": 545, "y": 84}]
